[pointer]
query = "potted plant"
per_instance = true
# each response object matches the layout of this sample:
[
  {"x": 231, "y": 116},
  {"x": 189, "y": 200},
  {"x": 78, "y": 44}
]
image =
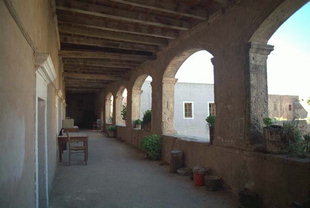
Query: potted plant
[
  {"x": 124, "y": 112},
  {"x": 211, "y": 122},
  {"x": 137, "y": 124},
  {"x": 152, "y": 146},
  {"x": 111, "y": 130},
  {"x": 146, "y": 121}
]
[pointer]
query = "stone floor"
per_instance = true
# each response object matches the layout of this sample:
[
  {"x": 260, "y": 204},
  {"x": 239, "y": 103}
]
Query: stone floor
[{"x": 117, "y": 175}]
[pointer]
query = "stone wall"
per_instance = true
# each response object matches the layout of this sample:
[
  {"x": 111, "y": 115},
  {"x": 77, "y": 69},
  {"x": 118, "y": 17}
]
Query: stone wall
[{"x": 277, "y": 179}]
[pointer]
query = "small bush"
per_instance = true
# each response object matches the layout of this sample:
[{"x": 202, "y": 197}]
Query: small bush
[
  {"x": 138, "y": 122},
  {"x": 211, "y": 120},
  {"x": 147, "y": 117},
  {"x": 267, "y": 121},
  {"x": 111, "y": 128},
  {"x": 152, "y": 146}
]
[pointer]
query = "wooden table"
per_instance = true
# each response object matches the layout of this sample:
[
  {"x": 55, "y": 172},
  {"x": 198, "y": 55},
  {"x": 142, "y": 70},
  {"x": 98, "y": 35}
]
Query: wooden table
[
  {"x": 73, "y": 129},
  {"x": 77, "y": 137}
]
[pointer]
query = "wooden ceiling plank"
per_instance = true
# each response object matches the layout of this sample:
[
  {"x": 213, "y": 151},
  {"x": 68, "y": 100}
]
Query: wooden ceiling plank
[
  {"x": 96, "y": 55},
  {"x": 90, "y": 76},
  {"x": 166, "y": 6},
  {"x": 122, "y": 15},
  {"x": 90, "y": 32},
  {"x": 116, "y": 26},
  {"x": 103, "y": 63},
  {"x": 90, "y": 41}
]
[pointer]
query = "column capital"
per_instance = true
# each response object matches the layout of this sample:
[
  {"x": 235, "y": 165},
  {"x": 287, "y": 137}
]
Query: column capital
[
  {"x": 169, "y": 80},
  {"x": 260, "y": 48}
]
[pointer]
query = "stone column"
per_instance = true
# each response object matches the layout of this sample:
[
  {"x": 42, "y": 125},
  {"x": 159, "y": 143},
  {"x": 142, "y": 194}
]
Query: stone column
[
  {"x": 114, "y": 111},
  {"x": 118, "y": 109},
  {"x": 135, "y": 104},
  {"x": 257, "y": 90},
  {"x": 107, "y": 110},
  {"x": 168, "y": 105}
]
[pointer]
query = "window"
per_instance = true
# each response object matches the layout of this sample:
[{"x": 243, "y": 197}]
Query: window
[
  {"x": 289, "y": 107},
  {"x": 188, "y": 109},
  {"x": 274, "y": 106},
  {"x": 212, "y": 109}
]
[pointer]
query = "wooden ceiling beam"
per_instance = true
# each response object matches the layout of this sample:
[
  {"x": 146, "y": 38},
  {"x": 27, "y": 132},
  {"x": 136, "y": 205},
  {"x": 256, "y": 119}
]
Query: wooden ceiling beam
[
  {"x": 90, "y": 76},
  {"x": 115, "y": 26},
  {"x": 167, "y": 6},
  {"x": 71, "y": 68},
  {"x": 222, "y": 2},
  {"x": 72, "y": 90},
  {"x": 100, "y": 63},
  {"x": 122, "y": 15},
  {"x": 90, "y": 41},
  {"x": 103, "y": 55},
  {"x": 91, "y": 32}
]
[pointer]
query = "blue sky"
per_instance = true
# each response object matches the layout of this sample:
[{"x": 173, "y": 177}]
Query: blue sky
[{"x": 288, "y": 65}]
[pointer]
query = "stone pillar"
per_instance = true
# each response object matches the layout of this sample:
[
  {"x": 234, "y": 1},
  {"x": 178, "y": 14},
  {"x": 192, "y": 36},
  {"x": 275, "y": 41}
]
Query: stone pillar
[
  {"x": 168, "y": 105},
  {"x": 114, "y": 110},
  {"x": 107, "y": 110},
  {"x": 257, "y": 90},
  {"x": 135, "y": 104},
  {"x": 118, "y": 109}
]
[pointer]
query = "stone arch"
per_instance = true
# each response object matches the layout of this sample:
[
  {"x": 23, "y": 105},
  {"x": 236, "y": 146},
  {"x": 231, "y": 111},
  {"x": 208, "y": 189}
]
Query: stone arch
[
  {"x": 258, "y": 52},
  {"x": 136, "y": 96},
  {"x": 109, "y": 99},
  {"x": 168, "y": 83},
  {"x": 275, "y": 20},
  {"x": 119, "y": 102}
]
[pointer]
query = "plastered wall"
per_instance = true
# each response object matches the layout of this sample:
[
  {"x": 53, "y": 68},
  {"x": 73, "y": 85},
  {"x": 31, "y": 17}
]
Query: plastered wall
[{"x": 18, "y": 96}]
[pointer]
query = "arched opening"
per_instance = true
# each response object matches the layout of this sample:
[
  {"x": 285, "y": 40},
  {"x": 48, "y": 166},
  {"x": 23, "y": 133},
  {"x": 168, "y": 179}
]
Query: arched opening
[
  {"x": 288, "y": 66},
  {"x": 121, "y": 106},
  {"x": 188, "y": 95},
  {"x": 258, "y": 54},
  {"x": 109, "y": 109},
  {"x": 141, "y": 97}
]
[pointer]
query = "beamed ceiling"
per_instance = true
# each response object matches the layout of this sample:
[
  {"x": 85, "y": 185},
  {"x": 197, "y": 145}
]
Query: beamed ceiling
[{"x": 102, "y": 41}]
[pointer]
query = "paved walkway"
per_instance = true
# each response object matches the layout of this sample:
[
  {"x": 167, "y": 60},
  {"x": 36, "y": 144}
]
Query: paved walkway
[{"x": 118, "y": 176}]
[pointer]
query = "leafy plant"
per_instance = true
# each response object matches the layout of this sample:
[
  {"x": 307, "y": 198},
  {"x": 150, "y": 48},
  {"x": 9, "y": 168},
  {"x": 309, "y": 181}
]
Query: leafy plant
[
  {"x": 137, "y": 122},
  {"x": 298, "y": 149},
  {"x": 152, "y": 146},
  {"x": 124, "y": 112},
  {"x": 297, "y": 146},
  {"x": 267, "y": 121},
  {"x": 307, "y": 141},
  {"x": 111, "y": 128},
  {"x": 291, "y": 131},
  {"x": 147, "y": 117},
  {"x": 211, "y": 120}
]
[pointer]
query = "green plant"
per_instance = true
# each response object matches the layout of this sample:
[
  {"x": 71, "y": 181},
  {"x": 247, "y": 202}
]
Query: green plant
[
  {"x": 211, "y": 120},
  {"x": 111, "y": 128},
  {"x": 297, "y": 146},
  {"x": 291, "y": 131},
  {"x": 307, "y": 142},
  {"x": 267, "y": 121},
  {"x": 152, "y": 146},
  {"x": 147, "y": 117},
  {"x": 138, "y": 122},
  {"x": 124, "y": 112}
]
